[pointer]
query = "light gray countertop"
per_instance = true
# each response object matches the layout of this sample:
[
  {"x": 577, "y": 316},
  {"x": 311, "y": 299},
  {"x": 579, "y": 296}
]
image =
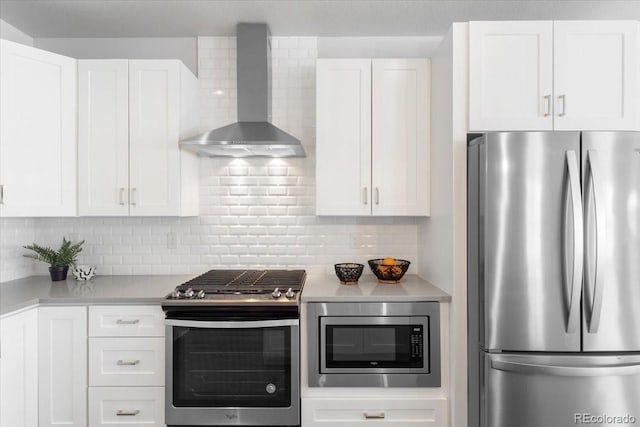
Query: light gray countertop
[
  {"x": 140, "y": 289},
  {"x": 143, "y": 289},
  {"x": 327, "y": 288}
]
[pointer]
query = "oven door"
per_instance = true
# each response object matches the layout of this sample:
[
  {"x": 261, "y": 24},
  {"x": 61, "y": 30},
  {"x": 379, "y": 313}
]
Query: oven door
[
  {"x": 232, "y": 373},
  {"x": 374, "y": 345}
]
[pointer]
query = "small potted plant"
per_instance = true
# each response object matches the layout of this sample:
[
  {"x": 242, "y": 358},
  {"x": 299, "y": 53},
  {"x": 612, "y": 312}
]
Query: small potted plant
[{"x": 59, "y": 260}]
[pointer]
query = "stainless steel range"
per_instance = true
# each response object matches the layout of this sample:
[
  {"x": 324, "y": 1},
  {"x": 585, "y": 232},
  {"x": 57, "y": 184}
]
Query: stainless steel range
[{"x": 232, "y": 355}]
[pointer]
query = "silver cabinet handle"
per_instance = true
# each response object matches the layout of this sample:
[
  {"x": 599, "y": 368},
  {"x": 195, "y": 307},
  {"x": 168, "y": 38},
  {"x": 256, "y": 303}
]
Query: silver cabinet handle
[
  {"x": 563, "y": 111},
  {"x": 547, "y": 111},
  {"x": 2, "y": 194},
  {"x": 122, "y": 195},
  {"x": 374, "y": 416},
  {"x": 364, "y": 196},
  {"x": 377, "y": 196},
  {"x": 128, "y": 362},
  {"x": 592, "y": 188},
  {"x": 132, "y": 197},
  {"x": 123, "y": 413},
  {"x": 578, "y": 245},
  {"x": 127, "y": 322}
]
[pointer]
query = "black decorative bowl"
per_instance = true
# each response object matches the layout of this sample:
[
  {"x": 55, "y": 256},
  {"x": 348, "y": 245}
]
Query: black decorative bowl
[
  {"x": 389, "y": 273},
  {"x": 349, "y": 272}
]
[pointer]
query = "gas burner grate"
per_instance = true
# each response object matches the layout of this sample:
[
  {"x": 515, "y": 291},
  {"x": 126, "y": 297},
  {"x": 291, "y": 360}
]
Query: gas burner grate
[{"x": 245, "y": 281}]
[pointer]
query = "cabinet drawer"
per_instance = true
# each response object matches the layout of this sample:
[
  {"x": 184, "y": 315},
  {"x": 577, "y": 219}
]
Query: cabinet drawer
[
  {"x": 126, "y": 361},
  {"x": 126, "y": 406},
  {"x": 363, "y": 412},
  {"x": 126, "y": 321}
]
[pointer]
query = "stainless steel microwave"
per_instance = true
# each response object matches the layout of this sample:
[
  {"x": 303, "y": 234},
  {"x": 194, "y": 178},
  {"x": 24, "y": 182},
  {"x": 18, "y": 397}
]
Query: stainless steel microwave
[{"x": 374, "y": 344}]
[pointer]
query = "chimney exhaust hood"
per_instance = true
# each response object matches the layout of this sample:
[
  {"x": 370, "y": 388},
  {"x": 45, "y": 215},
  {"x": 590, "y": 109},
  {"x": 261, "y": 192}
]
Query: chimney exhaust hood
[{"x": 252, "y": 135}]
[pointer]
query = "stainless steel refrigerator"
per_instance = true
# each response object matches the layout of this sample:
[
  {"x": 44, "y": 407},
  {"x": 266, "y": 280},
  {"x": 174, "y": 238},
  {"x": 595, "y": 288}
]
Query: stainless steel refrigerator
[{"x": 554, "y": 279}]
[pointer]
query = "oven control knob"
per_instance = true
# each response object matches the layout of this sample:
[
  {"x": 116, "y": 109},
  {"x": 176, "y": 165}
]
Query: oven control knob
[
  {"x": 271, "y": 388},
  {"x": 176, "y": 294},
  {"x": 201, "y": 294},
  {"x": 290, "y": 294},
  {"x": 276, "y": 293},
  {"x": 189, "y": 293}
]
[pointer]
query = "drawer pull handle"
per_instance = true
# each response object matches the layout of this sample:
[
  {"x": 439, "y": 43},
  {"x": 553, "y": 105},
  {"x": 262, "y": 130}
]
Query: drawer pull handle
[
  {"x": 375, "y": 416},
  {"x": 122, "y": 413},
  {"x": 127, "y": 322},
  {"x": 128, "y": 362}
]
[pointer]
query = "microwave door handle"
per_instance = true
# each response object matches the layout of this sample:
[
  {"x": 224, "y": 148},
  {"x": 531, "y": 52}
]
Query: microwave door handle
[
  {"x": 232, "y": 325},
  {"x": 573, "y": 317}
]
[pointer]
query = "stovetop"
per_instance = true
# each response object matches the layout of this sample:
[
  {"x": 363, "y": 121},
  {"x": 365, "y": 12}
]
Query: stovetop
[{"x": 239, "y": 288}]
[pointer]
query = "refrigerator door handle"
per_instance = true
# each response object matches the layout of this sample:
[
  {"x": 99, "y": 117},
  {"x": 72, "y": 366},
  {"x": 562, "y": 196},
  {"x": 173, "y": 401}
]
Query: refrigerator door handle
[
  {"x": 598, "y": 276},
  {"x": 573, "y": 318},
  {"x": 567, "y": 371}
]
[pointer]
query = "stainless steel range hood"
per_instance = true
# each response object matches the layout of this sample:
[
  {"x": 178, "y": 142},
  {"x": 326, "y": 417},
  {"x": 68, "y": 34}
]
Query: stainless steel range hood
[{"x": 252, "y": 135}]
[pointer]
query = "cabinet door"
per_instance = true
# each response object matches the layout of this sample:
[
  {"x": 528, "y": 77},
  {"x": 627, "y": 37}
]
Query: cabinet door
[
  {"x": 19, "y": 369},
  {"x": 400, "y": 137},
  {"x": 62, "y": 373},
  {"x": 37, "y": 132},
  {"x": 343, "y": 145},
  {"x": 510, "y": 75},
  {"x": 595, "y": 75},
  {"x": 154, "y": 154},
  {"x": 103, "y": 137}
]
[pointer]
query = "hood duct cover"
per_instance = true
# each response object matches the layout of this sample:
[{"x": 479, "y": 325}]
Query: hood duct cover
[{"x": 252, "y": 135}]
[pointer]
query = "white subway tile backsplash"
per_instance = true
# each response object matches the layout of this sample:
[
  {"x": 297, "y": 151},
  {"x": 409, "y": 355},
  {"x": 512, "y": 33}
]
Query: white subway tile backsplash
[{"x": 255, "y": 212}]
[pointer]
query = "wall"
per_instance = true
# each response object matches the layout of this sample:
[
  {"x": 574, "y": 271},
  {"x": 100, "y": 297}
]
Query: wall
[
  {"x": 442, "y": 249},
  {"x": 253, "y": 212},
  {"x": 9, "y": 32},
  {"x": 377, "y": 47},
  {"x": 183, "y": 48}
]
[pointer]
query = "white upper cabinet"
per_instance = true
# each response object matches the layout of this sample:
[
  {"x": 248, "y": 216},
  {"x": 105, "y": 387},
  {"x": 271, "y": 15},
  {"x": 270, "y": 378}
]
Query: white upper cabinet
[
  {"x": 103, "y": 137},
  {"x": 372, "y": 148},
  {"x": 595, "y": 75},
  {"x": 400, "y": 136},
  {"x": 343, "y": 146},
  {"x": 510, "y": 75},
  {"x": 37, "y": 132},
  {"x": 132, "y": 116},
  {"x": 545, "y": 75}
]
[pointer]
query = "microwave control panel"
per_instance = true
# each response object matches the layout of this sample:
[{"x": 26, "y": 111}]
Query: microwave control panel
[{"x": 417, "y": 342}]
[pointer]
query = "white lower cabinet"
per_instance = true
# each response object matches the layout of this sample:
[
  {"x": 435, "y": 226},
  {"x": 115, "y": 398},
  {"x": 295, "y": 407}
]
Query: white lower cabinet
[
  {"x": 126, "y": 406},
  {"x": 19, "y": 369},
  {"x": 411, "y": 412},
  {"x": 62, "y": 366},
  {"x": 126, "y": 361},
  {"x": 126, "y": 366}
]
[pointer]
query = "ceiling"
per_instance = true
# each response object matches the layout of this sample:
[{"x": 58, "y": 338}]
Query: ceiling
[{"x": 187, "y": 18}]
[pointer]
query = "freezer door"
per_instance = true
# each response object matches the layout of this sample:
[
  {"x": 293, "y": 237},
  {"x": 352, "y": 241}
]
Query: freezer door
[
  {"x": 611, "y": 192},
  {"x": 560, "y": 391},
  {"x": 532, "y": 241}
]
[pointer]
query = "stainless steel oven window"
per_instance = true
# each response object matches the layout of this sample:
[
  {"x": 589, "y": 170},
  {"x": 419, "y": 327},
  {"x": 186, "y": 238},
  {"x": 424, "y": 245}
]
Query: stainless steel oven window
[
  {"x": 269, "y": 338},
  {"x": 382, "y": 378}
]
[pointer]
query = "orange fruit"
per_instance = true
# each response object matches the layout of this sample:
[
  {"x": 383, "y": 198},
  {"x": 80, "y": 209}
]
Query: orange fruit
[{"x": 389, "y": 261}]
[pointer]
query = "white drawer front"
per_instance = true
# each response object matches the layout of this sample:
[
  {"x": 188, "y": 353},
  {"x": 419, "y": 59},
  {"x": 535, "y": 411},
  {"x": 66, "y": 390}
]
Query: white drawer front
[
  {"x": 126, "y": 361},
  {"x": 126, "y": 406},
  {"x": 363, "y": 412},
  {"x": 126, "y": 321}
]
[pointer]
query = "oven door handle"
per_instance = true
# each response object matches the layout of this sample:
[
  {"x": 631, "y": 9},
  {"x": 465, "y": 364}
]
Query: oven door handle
[{"x": 232, "y": 325}]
